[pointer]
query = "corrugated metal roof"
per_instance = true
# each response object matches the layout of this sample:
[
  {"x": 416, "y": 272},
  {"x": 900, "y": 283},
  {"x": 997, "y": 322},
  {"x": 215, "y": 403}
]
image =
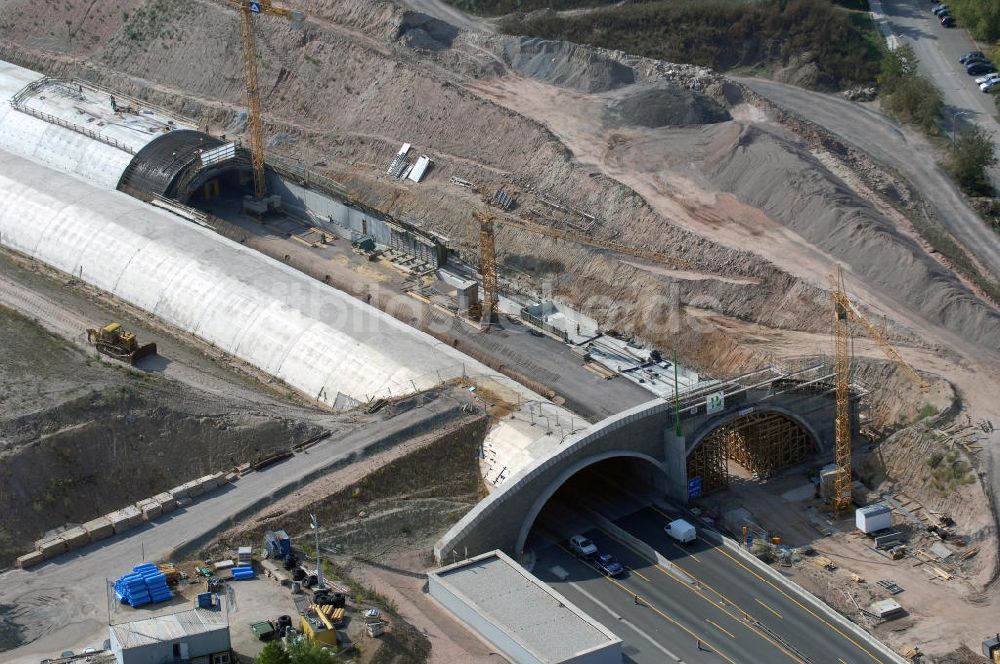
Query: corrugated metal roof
[{"x": 168, "y": 628}]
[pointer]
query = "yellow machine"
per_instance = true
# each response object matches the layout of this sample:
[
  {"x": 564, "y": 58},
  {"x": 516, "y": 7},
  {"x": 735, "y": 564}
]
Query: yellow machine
[
  {"x": 114, "y": 341},
  {"x": 320, "y": 623}
]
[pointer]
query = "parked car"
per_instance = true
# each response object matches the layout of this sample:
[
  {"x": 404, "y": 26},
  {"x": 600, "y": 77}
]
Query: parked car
[
  {"x": 947, "y": 21},
  {"x": 582, "y": 546},
  {"x": 989, "y": 85},
  {"x": 988, "y": 77},
  {"x": 607, "y": 564},
  {"x": 940, "y": 9},
  {"x": 979, "y": 68},
  {"x": 971, "y": 55}
]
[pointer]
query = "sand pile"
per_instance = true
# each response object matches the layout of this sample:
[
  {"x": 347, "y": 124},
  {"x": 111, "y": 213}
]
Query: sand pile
[
  {"x": 565, "y": 64},
  {"x": 663, "y": 104}
]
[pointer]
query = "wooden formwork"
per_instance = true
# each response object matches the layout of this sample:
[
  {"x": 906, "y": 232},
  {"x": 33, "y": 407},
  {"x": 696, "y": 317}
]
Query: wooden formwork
[{"x": 763, "y": 443}]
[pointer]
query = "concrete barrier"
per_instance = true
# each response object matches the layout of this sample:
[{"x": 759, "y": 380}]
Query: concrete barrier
[
  {"x": 99, "y": 528},
  {"x": 179, "y": 492},
  {"x": 166, "y": 502},
  {"x": 194, "y": 488},
  {"x": 149, "y": 508},
  {"x": 637, "y": 545},
  {"x": 125, "y": 519},
  {"x": 30, "y": 559}
]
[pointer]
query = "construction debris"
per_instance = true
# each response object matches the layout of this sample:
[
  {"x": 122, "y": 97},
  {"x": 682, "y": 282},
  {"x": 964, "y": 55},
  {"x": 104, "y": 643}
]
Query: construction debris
[{"x": 890, "y": 586}]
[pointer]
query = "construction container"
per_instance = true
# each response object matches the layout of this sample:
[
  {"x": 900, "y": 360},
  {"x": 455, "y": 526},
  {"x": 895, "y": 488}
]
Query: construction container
[
  {"x": 887, "y": 609},
  {"x": 206, "y": 600},
  {"x": 873, "y": 518},
  {"x": 99, "y": 528},
  {"x": 30, "y": 559}
]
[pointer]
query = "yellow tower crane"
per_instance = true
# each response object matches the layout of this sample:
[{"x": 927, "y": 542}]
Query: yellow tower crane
[
  {"x": 255, "y": 125},
  {"x": 844, "y": 312}
]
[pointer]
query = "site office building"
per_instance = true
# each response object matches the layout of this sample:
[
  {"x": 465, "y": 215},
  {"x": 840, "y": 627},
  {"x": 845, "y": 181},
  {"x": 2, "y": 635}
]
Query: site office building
[{"x": 196, "y": 636}]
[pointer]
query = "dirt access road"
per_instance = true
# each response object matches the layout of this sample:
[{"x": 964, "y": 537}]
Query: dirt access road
[
  {"x": 899, "y": 149},
  {"x": 440, "y": 9},
  {"x": 62, "y": 603}
]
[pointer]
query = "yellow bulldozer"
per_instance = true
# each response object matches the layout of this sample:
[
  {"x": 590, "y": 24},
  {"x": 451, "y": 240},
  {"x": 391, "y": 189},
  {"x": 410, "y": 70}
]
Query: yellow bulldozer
[{"x": 114, "y": 341}]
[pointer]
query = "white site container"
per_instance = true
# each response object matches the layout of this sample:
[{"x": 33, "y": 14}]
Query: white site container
[{"x": 873, "y": 518}]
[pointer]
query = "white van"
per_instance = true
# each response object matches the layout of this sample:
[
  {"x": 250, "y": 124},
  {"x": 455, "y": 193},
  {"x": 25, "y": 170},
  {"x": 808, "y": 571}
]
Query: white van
[{"x": 681, "y": 530}]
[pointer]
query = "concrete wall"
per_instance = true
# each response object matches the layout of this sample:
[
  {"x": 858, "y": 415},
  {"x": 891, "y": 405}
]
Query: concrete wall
[{"x": 504, "y": 519}]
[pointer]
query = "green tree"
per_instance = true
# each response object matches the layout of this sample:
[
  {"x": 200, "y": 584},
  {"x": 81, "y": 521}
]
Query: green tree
[
  {"x": 971, "y": 154},
  {"x": 897, "y": 66},
  {"x": 305, "y": 651},
  {"x": 916, "y": 101},
  {"x": 273, "y": 653}
]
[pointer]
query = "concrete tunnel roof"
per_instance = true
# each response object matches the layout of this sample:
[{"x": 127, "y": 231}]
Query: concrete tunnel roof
[{"x": 316, "y": 338}]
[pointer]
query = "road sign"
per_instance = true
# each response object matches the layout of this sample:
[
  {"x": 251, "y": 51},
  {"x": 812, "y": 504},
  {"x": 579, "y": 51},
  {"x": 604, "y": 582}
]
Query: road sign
[
  {"x": 715, "y": 402},
  {"x": 255, "y": 7},
  {"x": 694, "y": 487}
]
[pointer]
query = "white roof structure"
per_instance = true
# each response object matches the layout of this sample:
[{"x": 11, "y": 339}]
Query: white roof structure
[
  {"x": 168, "y": 628},
  {"x": 314, "y": 337},
  {"x": 87, "y": 109},
  {"x": 527, "y": 611}
]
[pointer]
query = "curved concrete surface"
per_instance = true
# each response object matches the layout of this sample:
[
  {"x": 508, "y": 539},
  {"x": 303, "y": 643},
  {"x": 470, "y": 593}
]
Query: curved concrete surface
[{"x": 315, "y": 338}]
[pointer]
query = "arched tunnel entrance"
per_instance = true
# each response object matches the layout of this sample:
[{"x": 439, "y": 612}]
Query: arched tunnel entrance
[
  {"x": 612, "y": 484},
  {"x": 757, "y": 445}
]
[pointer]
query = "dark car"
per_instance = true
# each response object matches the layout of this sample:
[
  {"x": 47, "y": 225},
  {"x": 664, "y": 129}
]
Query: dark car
[
  {"x": 609, "y": 565},
  {"x": 947, "y": 21},
  {"x": 971, "y": 55},
  {"x": 979, "y": 68}
]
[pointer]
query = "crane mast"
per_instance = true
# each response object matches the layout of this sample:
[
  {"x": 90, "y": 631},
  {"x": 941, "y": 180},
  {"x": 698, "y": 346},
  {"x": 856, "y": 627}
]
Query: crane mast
[{"x": 844, "y": 312}]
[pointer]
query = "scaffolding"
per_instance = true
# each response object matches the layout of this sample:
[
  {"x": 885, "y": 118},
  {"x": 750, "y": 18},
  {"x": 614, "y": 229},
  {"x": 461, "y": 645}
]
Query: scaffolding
[{"x": 763, "y": 443}]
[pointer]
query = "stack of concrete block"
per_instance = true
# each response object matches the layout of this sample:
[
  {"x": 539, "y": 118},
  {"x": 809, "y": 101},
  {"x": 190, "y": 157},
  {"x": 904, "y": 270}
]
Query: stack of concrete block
[
  {"x": 125, "y": 518},
  {"x": 76, "y": 538},
  {"x": 166, "y": 502},
  {"x": 99, "y": 528},
  {"x": 149, "y": 508},
  {"x": 194, "y": 488},
  {"x": 179, "y": 492},
  {"x": 29, "y": 559},
  {"x": 51, "y": 548}
]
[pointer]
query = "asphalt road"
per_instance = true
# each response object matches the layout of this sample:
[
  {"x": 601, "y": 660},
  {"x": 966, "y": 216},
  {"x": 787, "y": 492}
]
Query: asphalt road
[
  {"x": 938, "y": 49},
  {"x": 728, "y": 614},
  {"x": 883, "y": 139},
  {"x": 64, "y": 600}
]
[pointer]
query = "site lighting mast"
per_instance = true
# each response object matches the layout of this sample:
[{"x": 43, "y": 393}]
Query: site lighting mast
[
  {"x": 255, "y": 125},
  {"x": 314, "y": 524}
]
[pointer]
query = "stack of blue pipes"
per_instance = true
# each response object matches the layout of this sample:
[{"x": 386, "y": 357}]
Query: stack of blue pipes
[
  {"x": 146, "y": 584},
  {"x": 242, "y": 573}
]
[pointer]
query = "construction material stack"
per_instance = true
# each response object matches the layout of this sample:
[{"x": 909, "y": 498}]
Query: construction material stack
[
  {"x": 145, "y": 585},
  {"x": 243, "y": 573}
]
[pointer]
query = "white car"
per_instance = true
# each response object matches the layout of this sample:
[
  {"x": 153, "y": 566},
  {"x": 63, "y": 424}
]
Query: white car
[
  {"x": 989, "y": 77},
  {"x": 989, "y": 85},
  {"x": 582, "y": 546}
]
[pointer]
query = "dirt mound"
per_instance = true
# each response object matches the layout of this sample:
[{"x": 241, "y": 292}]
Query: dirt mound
[
  {"x": 786, "y": 181},
  {"x": 565, "y": 64},
  {"x": 662, "y": 105},
  {"x": 420, "y": 31}
]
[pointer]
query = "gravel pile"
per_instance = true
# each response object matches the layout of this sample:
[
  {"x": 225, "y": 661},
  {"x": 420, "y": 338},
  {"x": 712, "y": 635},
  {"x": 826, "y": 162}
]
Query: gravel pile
[{"x": 664, "y": 104}]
